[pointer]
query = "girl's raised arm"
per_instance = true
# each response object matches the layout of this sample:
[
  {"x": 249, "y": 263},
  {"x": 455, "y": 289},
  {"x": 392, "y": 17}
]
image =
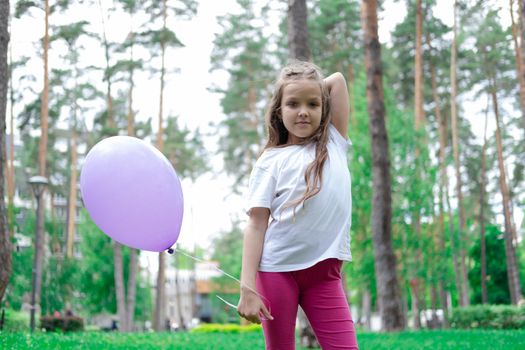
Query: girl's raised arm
[{"x": 339, "y": 105}]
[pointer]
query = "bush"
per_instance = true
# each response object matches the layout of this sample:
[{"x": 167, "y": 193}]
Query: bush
[
  {"x": 488, "y": 316},
  {"x": 226, "y": 328},
  {"x": 63, "y": 323},
  {"x": 15, "y": 321}
]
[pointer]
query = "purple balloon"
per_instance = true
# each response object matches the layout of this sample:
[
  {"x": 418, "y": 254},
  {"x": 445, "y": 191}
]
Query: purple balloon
[{"x": 132, "y": 193}]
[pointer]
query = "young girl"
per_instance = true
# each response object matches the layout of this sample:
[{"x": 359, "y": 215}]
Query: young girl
[{"x": 299, "y": 207}]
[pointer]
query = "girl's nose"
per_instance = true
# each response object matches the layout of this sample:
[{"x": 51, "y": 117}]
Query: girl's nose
[{"x": 302, "y": 112}]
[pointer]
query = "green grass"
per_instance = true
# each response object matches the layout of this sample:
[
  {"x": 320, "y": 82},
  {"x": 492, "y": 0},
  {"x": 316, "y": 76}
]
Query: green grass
[{"x": 435, "y": 340}]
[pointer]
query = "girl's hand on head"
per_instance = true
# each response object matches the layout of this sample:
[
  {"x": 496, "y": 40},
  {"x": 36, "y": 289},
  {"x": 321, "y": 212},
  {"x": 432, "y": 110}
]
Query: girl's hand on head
[{"x": 251, "y": 307}]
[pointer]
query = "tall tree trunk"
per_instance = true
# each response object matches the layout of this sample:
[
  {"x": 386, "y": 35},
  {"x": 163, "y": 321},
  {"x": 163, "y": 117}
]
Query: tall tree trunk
[
  {"x": 483, "y": 258},
  {"x": 464, "y": 295},
  {"x": 5, "y": 240},
  {"x": 416, "y": 282},
  {"x": 452, "y": 240},
  {"x": 72, "y": 202},
  {"x": 132, "y": 286},
  {"x": 110, "y": 123},
  {"x": 44, "y": 108},
  {"x": 119, "y": 286},
  {"x": 298, "y": 30},
  {"x": 520, "y": 66},
  {"x": 133, "y": 264},
  {"x": 440, "y": 236},
  {"x": 182, "y": 324},
  {"x": 42, "y": 154},
  {"x": 418, "y": 76},
  {"x": 434, "y": 305},
  {"x": 385, "y": 261},
  {"x": 160, "y": 300},
  {"x": 11, "y": 161},
  {"x": 367, "y": 309},
  {"x": 160, "y": 134},
  {"x": 521, "y": 4},
  {"x": 159, "y": 316},
  {"x": 131, "y": 114},
  {"x": 510, "y": 252}
]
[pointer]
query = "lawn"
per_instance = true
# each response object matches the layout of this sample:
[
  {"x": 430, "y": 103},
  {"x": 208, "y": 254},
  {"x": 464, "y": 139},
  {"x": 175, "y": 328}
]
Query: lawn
[{"x": 435, "y": 340}]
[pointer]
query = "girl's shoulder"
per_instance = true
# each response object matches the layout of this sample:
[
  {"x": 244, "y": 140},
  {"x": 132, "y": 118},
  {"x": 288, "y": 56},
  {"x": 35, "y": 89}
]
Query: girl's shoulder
[{"x": 273, "y": 156}]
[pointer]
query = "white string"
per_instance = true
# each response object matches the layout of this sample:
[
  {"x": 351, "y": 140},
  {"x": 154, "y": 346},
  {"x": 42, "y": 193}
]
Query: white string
[{"x": 224, "y": 273}]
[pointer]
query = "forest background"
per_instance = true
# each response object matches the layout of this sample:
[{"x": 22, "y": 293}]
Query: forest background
[{"x": 119, "y": 73}]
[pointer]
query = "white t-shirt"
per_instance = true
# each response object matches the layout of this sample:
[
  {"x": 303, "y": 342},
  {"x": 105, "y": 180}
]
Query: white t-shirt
[{"x": 321, "y": 227}]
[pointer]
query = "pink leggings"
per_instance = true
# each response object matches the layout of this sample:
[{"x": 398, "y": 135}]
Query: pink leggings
[{"x": 319, "y": 291}]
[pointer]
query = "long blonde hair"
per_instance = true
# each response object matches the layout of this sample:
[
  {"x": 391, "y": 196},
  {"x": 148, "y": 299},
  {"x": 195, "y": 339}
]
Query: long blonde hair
[{"x": 278, "y": 134}]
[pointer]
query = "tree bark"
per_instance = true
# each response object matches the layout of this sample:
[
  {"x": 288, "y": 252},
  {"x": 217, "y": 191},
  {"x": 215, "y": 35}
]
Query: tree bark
[
  {"x": 110, "y": 123},
  {"x": 510, "y": 252},
  {"x": 160, "y": 134},
  {"x": 464, "y": 295},
  {"x": 72, "y": 202},
  {"x": 298, "y": 30},
  {"x": 132, "y": 282},
  {"x": 182, "y": 324},
  {"x": 131, "y": 115},
  {"x": 367, "y": 309},
  {"x": 440, "y": 236},
  {"x": 119, "y": 286},
  {"x": 5, "y": 239},
  {"x": 160, "y": 299},
  {"x": 520, "y": 64},
  {"x": 388, "y": 293},
  {"x": 416, "y": 282},
  {"x": 11, "y": 183},
  {"x": 44, "y": 108},
  {"x": 159, "y": 316},
  {"x": 483, "y": 257},
  {"x": 42, "y": 155},
  {"x": 521, "y": 4}
]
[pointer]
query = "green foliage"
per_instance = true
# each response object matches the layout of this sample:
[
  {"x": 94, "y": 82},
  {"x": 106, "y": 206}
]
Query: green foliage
[
  {"x": 399, "y": 57},
  {"x": 20, "y": 281},
  {"x": 226, "y": 328},
  {"x": 334, "y": 35},
  {"x": 223, "y": 313},
  {"x": 59, "y": 283},
  {"x": 185, "y": 150},
  {"x": 242, "y": 50},
  {"x": 97, "y": 282},
  {"x": 228, "y": 251},
  {"x": 96, "y": 275},
  {"x": 15, "y": 321},
  {"x": 497, "y": 282},
  {"x": 62, "y": 323},
  {"x": 488, "y": 316},
  {"x": 360, "y": 273}
]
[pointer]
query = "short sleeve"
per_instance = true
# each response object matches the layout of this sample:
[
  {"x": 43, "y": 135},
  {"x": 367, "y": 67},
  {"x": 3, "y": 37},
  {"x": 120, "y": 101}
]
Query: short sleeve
[
  {"x": 261, "y": 188},
  {"x": 262, "y": 183},
  {"x": 338, "y": 139}
]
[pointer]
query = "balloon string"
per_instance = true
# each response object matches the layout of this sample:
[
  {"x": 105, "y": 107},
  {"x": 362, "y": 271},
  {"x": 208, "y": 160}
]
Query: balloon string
[{"x": 171, "y": 250}]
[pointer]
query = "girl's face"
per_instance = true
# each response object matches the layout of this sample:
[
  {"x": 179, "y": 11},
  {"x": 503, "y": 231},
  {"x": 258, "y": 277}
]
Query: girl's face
[{"x": 301, "y": 109}]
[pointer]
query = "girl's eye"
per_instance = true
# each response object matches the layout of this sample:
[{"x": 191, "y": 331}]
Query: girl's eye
[
  {"x": 292, "y": 104},
  {"x": 314, "y": 104}
]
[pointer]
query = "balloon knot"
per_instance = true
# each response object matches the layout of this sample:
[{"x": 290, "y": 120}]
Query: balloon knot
[{"x": 170, "y": 251}]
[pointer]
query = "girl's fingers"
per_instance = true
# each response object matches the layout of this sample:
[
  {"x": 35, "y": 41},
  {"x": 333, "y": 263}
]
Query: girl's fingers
[{"x": 266, "y": 313}]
